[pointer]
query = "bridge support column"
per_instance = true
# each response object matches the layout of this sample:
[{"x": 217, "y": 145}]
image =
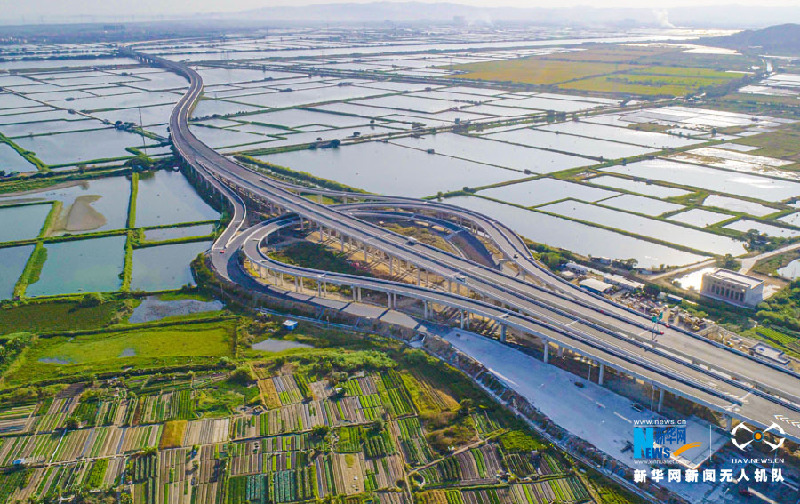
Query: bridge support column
[
  {"x": 660, "y": 399},
  {"x": 461, "y": 312},
  {"x": 602, "y": 372},
  {"x": 341, "y": 241},
  {"x": 503, "y": 330},
  {"x": 425, "y": 304},
  {"x": 297, "y": 284},
  {"x": 358, "y": 289},
  {"x": 319, "y": 289},
  {"x": 560, "y": 352},
  {"x": 546, "y": 358},
  {"x": 391, "y": 266},
  {"x": 419, "y": 277},
  {"x": 728, "y": 422},
  {"x": 449, "y": 285},
  {"x": 366, "y": 254}
]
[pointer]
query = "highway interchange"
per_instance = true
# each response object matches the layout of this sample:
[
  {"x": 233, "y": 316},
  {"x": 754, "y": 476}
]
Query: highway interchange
[{"x": 531, "y": 301}]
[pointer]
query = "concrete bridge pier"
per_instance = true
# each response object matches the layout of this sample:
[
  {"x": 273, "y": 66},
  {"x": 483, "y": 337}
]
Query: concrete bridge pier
[
  {"x": 546, "y": 356},
  {"x": 503, "y": 330},
  {"x": 602, "y": 372}
]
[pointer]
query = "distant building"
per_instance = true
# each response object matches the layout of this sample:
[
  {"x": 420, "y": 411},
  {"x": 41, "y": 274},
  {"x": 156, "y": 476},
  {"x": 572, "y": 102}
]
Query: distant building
[
  {"x": 596, "y": 286},
  {"x": 770, "y": 353},
  {"x": 623, "y": 283},
  {"x": 732, "y": 287},
  {"x": 576, "y": 268}
]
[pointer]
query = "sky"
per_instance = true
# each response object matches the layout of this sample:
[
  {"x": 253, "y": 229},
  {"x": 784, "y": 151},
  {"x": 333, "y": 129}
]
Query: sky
[{"x": 32, "y": 10}]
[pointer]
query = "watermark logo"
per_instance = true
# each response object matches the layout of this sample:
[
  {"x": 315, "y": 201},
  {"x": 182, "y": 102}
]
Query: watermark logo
[
  {"x": 742, "y": 436},
  {"x": 660, "y": 443}
]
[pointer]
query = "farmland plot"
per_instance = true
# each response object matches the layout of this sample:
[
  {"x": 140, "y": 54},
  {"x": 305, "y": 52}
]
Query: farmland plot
[
  {"x": 105, "y": 441},
  {"x": 56, "y": 415},
  {"x": 18, "y": 419},
  {"x": 412, "y": 441},
  {"x": 287, "y": 389},
  {"x": 209, "y": 476},
  {"x": 72, "y": 445},
  {"x": 173, "y": 486},
  {"x": 384, "y": 472},
  {"x": 245, "y": 427},
  {"x": 139, "y": 438},
  {"x": 292, "y": 418},
  {"x": 555, "y": 490},
  {"x": 206, "y": 431},
  {"x": 176, "y": 405},
  {"x": 392, "y": 498}
]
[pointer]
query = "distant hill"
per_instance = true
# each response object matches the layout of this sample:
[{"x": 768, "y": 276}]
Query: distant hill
[{"x": 783, "y": 39}]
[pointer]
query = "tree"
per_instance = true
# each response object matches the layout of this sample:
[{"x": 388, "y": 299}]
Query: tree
[
  {"x": 91, "y": 300},
  {"x": 71, "y": 423},
  {"x": 320, "y": 431},
  {"x": 652, "y": 290},
  {"x": 242, "y": 375}
]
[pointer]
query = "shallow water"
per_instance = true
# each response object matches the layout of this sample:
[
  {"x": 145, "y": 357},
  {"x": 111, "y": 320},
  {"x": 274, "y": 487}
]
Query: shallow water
[
  {"x": 168, "y": 198},
  {"x": 12, "y": 262},
  {"x": 270, "y": 345},
  {"x": 165, "y": 267},
  {"x": 81, "y": 266}
]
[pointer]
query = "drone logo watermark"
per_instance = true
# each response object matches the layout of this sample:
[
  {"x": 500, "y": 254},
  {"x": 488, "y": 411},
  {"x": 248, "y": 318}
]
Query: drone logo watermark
[{"x": 757, "y": 436}]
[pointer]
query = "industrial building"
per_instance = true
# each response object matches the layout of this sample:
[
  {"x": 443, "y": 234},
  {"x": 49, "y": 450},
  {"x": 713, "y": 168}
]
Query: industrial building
[{"x": 732, "y": 287}]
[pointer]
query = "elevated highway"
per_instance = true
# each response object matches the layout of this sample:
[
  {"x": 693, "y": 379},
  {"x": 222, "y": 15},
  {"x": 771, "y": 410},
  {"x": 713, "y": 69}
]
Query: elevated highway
[{"x": 533, "y": 303}]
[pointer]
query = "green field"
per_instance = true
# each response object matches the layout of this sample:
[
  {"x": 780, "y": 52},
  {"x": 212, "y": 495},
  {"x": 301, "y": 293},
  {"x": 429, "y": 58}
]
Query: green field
[
  {"x": 536, "y": 70},
  {"x": 172, "y": 345},
  {"x": 55, "y": 317},
  {"x": 645, "y": 70}
]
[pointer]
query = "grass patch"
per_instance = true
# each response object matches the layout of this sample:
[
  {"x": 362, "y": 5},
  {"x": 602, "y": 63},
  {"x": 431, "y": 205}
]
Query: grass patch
[
  {"x": 56, "y": 316},
  {"x": 172, "y": 435},
  {"x": 536, "y": 70},
  {"x": 148, "y": 348},
  {"x": 516, "y": 441},
  {"x": 314, "y": 255}
]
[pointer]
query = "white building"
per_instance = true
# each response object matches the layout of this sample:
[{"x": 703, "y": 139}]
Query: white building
[{"x": 732, "y": 287}]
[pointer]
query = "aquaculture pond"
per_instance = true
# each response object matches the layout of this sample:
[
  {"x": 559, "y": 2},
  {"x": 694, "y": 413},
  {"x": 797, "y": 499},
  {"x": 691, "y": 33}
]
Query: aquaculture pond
[
  {"x": 641, "y": 204},
  {"x": 642, "y": 226},
  {"x": 22, "y": 222},
  {"x": 165, "y": 267},
  {"x": 569, "y": 143},
  {"x": 12, "y": 262},
  {"x": 73, "y": 148},
  {"x": 91, "y": 265},
  {"x": 166, "y": 197},
  {"x": 390, "y": 169},
  {"x": 791, "y": 270},
  {"x": 11, "y": 161},
  {"x": 173, "y": 233},
  {"x": 737, "y": 205},
  {"x": 540, "y": 191},
  {"x": 577, "y": 237},
  {"x": 746, "y": 225},
  {"x": 493, "y": 152},
  {"x": 699, "y": 218},
  {"x": 737, "y": 184},
  {"x": 638, "y": 186},
  {"x": 94, "y": 205}
]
